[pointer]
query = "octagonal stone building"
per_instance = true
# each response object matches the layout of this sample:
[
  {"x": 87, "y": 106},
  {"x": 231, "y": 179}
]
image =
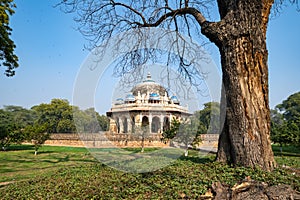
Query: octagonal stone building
[{"x": 148, "y": 105}]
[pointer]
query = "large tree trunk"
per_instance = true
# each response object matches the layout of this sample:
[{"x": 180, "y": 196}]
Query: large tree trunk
[
  {"x": 245, "y": 138},
  {"x": 241, "y": 38}
]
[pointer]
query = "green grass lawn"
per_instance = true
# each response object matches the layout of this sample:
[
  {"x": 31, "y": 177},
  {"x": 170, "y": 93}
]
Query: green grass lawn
[
  {"x": 19, "y": 162},
  {"x": 290, "y": 156},
  {"x": 72, "y": 173}
]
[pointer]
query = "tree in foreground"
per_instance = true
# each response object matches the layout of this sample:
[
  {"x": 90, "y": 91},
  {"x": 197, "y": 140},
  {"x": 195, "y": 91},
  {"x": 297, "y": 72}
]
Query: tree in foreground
[
  {"x": 239, "y": 34},
  {"x": 7, "y": 57}
]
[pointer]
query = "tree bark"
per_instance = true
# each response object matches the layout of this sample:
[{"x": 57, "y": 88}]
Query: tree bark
[{"x": 241, "y": 38}]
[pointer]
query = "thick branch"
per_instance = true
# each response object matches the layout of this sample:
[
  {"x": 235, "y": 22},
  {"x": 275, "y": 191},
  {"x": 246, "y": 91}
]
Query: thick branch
[
  {"x": 182, "y": 11},
  {"x": 209, "y": 29}
]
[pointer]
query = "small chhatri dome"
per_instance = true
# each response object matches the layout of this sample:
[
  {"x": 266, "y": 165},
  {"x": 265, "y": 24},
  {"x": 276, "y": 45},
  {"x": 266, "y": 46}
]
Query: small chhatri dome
[
  {"x": 174, "y": 99},
  {"x": 119, "y": 101},
  {"x": 154, "y": 96},
  {"x": 129, "y": 97}
]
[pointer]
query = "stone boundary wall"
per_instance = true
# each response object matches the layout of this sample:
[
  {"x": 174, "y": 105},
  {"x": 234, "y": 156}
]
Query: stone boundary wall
[{"x": 106, "y": 140}]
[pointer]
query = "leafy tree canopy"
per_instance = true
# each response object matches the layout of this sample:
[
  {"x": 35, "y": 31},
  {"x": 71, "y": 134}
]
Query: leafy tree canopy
[
  {"x": 291, "y": 107},
  {"x": 19, "y": 124},
  {"x": 185, "y": 132},
  {"x": 8, "y": 59},
  {"x": 13, "y": 120},
  {"x": 58, "y": 115},
  {"x": 37, "y": 134},
  {"x": 209, "y": 118},
  {"x": 285, "y": 121}
]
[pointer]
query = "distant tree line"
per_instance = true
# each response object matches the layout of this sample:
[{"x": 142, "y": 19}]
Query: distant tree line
[
  {"x": 35, "y": 125},
  {"x": 285, "y": 121}
]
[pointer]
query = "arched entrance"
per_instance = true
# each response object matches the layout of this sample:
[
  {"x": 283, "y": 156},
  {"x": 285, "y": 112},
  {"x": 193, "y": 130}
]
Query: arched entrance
[
  {"x": 166, "y": 124},
  {"x": 132, "y": 124},
  {"x": 145, "y": 121},
  {"x": 117, "y": 124},
  {"x": 125, "y": 125},
  {"x": 155, "y": 125}
]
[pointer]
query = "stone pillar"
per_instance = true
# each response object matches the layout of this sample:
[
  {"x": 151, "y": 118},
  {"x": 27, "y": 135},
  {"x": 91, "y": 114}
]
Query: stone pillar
[
  {"x": 129, "y": 125},
  {"x": 161, "y": 123},
  {"x": 150, "y": 122},
  {"x": 112, "y": 126},
  {"x": 138, "y": 120},
  {"x": 121, "y": 125}
]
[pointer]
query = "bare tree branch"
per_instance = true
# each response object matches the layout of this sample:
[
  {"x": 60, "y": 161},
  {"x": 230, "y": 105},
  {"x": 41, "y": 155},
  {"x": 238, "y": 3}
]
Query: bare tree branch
[{"x": 101, "y": 20}]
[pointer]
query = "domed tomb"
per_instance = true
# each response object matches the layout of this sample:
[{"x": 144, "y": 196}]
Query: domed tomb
[{"x": 148, "y": 105}]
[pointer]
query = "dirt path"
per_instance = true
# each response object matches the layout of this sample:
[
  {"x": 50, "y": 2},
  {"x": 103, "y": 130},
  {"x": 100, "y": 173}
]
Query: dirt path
[{"x": 6, "y": 183}]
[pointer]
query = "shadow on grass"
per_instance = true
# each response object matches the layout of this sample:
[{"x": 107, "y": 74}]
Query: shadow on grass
[
  {"x": 41, "y": 152},
  {"x": 286, "y": 154},
  {"x": 55, "y": 159},
  {"x": 198, "y": 160},
  {"x": 288, "y": 150},
  {"x": 139, "y": 149},
  {"x": 20, "y": 147}
]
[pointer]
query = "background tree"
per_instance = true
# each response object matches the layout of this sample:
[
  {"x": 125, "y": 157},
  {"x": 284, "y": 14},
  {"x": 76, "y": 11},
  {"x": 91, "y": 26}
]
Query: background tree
[
  {"x": 276, "y": 117},
  {"x": 37, "y": 134},
  {"x": 58, "y": 116},
  {"x": 141, "y": 133},
  {"x": 18, "y": 124},
  {"x": 13, "y": 120},
  {"x": 20, "y": 116},
  {"x": 280, "y": 134},
  {"x": 285, "y": 121},
  {"x": 80, "y": 119},
  {"x": 171, "y": 132},
  {"x": 6, "y": 127},
  {"x": 291, "y": 108},
  {"x": 239, "y": 34},
  {"x": 90, "y": 121},
  {"x": 209, "y": 118},
  {"x": 183, "y": 133},
  {"x": 103, "y": 122},
  {"x": 61, "y": 117},
  {"x": 7, "y": 57}
]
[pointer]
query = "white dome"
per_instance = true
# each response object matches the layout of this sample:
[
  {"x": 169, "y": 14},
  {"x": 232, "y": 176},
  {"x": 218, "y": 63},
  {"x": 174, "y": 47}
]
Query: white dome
[{"x": 149, "y": 86}]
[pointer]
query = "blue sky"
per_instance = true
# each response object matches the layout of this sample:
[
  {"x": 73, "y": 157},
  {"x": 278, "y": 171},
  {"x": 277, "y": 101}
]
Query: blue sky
[{"x": 51, "y": 52}]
